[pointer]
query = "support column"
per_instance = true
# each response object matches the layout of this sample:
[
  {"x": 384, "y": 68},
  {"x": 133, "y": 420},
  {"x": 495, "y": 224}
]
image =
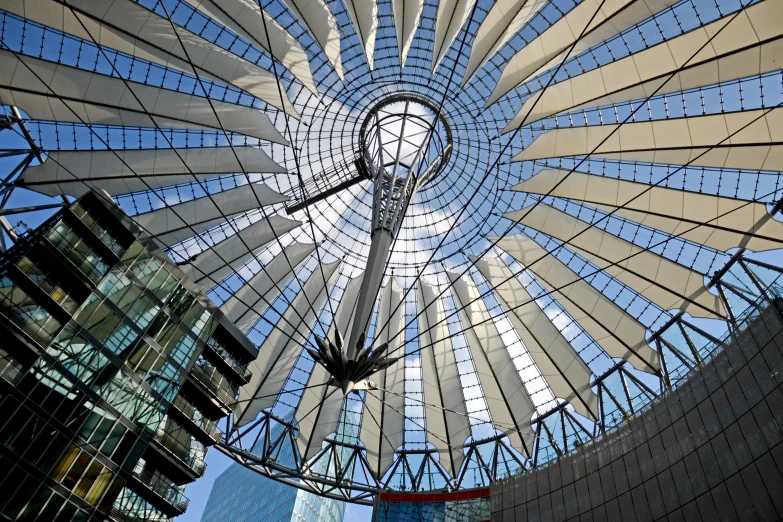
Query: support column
[{"x": 371, "y": 284}]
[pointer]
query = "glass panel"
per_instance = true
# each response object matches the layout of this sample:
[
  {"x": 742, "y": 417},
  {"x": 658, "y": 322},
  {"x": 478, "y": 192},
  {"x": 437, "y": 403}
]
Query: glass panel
[
  {"x": 99, "y": 230},
  {"x": 47, "y": 282},
  {"x": 209, "y": 426},
  {"x": 99, "y": 486},
  {"x": 26, "y": 313},
  {"x": 132, "y": 401},
  {"x": 159, "y": 483},
  {"x": 181, "y": 443},
  {"x": 226, "y": 356},
  {"x": 77, "y": 355},
  {"x": 115, "y": 335},
  {"x": 180, "y": 301},
  {"x": 181, "y": 348},
  {"x": 10, "y": 369},
  {"x": 215, "y": 381},
  {"x": 130, "y": 506},
  {"x": 162, "y": 284},
  {"x": 88, "y": 479},
  {"x": 205, "y": 325},
  {"x": 77, "y": 251},
  {"x": 135, "y": 253}
]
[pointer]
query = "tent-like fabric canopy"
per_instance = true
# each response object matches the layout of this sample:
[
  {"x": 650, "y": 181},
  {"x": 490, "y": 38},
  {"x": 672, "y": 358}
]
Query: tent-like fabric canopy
[{"x": 609, "y": 174}]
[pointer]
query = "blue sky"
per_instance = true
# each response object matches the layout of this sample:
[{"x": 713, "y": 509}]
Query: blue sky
[{"x": 748, "y": 96}]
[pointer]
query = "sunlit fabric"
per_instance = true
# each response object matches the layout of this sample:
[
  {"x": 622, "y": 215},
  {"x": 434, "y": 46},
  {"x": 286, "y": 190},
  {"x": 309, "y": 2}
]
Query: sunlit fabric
[{"x": 544, "y": 209}]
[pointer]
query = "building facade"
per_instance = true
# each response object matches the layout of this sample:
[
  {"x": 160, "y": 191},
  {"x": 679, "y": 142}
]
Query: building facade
[
  {"x": 709, "y": 449},
  {"x": 115, "y": 370}
]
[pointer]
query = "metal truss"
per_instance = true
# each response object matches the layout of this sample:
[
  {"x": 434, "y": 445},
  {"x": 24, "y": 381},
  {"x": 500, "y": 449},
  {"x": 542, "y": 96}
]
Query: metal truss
[
  {"x": 340, "y": 470},
  {"x": 15, "y": 123}
]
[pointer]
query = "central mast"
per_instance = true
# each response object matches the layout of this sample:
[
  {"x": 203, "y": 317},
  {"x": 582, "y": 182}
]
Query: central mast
[{"x": 404, "y": 141}]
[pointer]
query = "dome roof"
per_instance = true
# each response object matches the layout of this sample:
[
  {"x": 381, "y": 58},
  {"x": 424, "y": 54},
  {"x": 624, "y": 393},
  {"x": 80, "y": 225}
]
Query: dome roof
[{"x": 582, "y": 170}]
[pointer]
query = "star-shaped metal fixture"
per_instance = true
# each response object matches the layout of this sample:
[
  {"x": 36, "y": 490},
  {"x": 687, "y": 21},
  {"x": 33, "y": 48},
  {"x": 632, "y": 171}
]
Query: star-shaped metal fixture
[{"x": 350, "y": 375}]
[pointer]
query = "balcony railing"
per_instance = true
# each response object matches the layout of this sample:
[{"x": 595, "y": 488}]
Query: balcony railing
[
  {"x": 103, "y": 234},
  {"x": 30, "y": 318},
  {"x": 161, "y": 486},
  {"x": 72, "y": 246},
  {"x": 208, "y": 379},
  {"x": 209, "y": 427},
  {"x": 10, "y": 369},
  {"x": 130, "y": 507},
  {"x": 192, "y": 459},
  {"x": 238, "y": 367},
  {"x": 43, "y": 280}
]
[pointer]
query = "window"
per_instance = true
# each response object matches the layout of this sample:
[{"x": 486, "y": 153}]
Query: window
[
  {"x": 48, "y": 283},
  {"x": 132, "y": 401},
  {"x": 26, "y": 313},
  {"x": 79, "y": 472},
  {"x": 77, "y": 251},
  {"x": 99, "y": 230},
  {"x": 78, "y": 356}
]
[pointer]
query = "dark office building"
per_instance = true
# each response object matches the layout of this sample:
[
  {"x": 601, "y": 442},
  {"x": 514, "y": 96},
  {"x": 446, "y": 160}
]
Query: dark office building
[{"x": 115, "y": 372}]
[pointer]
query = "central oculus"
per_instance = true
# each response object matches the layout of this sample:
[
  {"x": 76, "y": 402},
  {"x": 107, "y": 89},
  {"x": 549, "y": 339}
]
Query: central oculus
[
  {"x": 404, "y": 142},
  {"x": 405, "y": 134}
]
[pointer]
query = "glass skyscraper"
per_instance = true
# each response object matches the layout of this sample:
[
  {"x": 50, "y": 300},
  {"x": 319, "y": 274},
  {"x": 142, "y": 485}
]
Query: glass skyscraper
[
  {"x": 242, "y": 495},
  {"x": 114, "y": 371}
]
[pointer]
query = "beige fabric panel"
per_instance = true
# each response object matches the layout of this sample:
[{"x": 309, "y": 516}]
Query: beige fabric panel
[
  {"x": 614, "y": 17},
  {"x": 364, "y": 17},
  {"x": 504, "y": 20},
  {"x": 47, "y": 107},
  {"x": 244, "y": 17},
  {"x": 406, "y": 20},
  {"x": 326, "y": 418},
  {"x": 118, "y": 172},
  {"x": 244, "y": 308},
  {"x": 664, "y": 282},
  {"x": 746, "y": 45},
  {"x": 278, "y": 354},
  {"x": 631, "y": 14},
  {"x": 115, "y": 186},
  {"x": 748, "y": 140},
  {"x": 759, "y": 59},
  {"x": 37, "y": 86},
  {"x": 448, "y": 426},
  {"x": 141, "y": 23},
  {"x": 56, "y": 15},
  {"x": 723, "y": 223},
  {"x": 393, "y": 378},
  {"x": 566, "y": 373},
  {"x": 168, "y": 239},
  {"x": 452, "y": 15},
  {"x": 328, "y": 414},
  {"x": 216, "y": 263},
  {"x": 311, "y": 406},
  {"x": 385, "y": 407},
  {"x": 617, "y": 332},
  {"x": 379, "y": 451},
  {"x": 508, "y": 400},
  {"x": 319, "y": 20},
  {"x": 346, "y": 308},
  {"x": 170, "y": 225}
]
